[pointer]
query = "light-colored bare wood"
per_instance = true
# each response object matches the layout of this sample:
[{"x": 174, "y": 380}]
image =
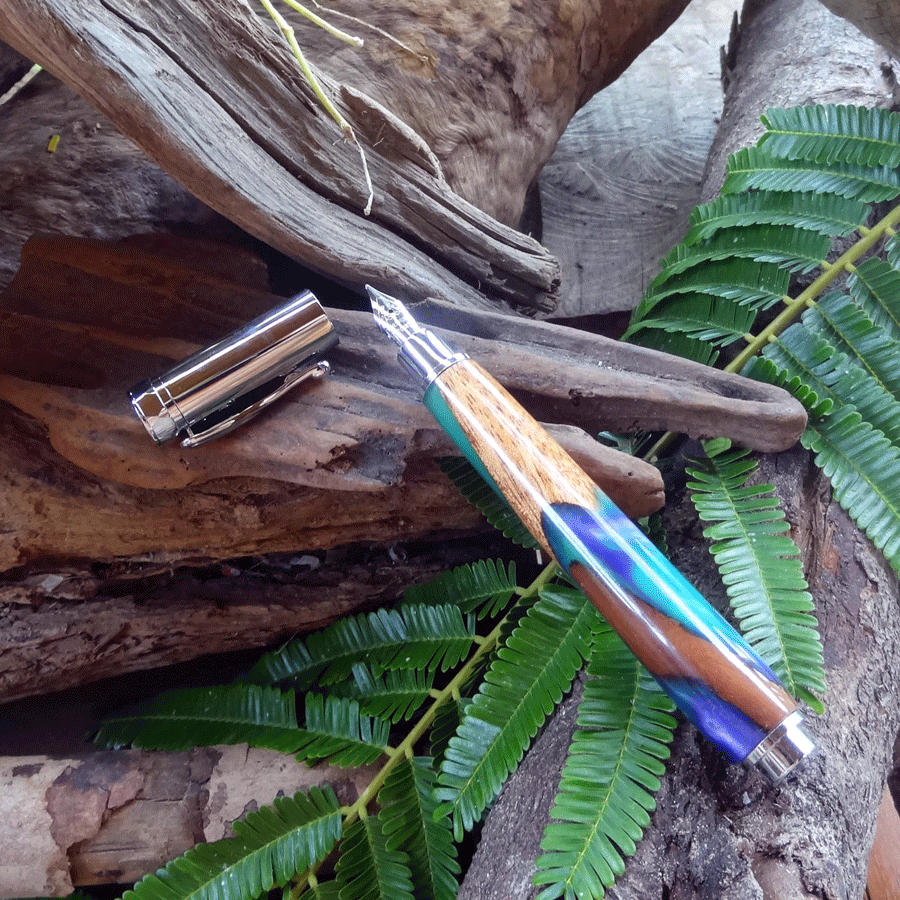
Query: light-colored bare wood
[{"x": 113, "y": 817}]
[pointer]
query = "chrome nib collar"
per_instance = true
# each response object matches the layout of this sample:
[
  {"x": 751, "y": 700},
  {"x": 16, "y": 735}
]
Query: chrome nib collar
[
  {"x": 783, "y": 749},
  {"x": 422, "y": 352}
]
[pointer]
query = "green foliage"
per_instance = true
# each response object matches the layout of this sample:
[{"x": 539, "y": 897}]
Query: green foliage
[
  {"x": 612, "y": 771},
  {"x": 408, "y": 803},
  {"x": 202, "y": 717},
  {"x": 760, "y": 566},
  {"x": 269, "y": 848},
  {"x": 481, "y": 495},
  {"x": 396, "y": 695},
  {"x": 337, "y": 732},
  {"x": 484, "y": 588},
  {"x": 367, "y": 869},
  {"x": 523, "y": 684},
  {"x": 416, "y": 636},
  {"x": 817, "y": 170}
]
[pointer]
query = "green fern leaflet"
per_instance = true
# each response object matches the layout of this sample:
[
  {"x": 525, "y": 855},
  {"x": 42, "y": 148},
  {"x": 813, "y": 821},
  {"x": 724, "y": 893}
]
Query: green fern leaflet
[
  {"x": 613, "y": 769},
  {"x": 760, "y": 566},
  {"x": 408, "y": 805},
  {"x": 203, "y": 717},
  {"x": 269, "y": 848},
  {"x": 526, "y": 680}
]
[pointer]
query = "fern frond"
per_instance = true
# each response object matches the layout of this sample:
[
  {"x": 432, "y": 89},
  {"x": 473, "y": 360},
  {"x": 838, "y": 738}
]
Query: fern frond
[
  {"x": 413, "y": 637},
  {"x": 760, "y": 566},
  {"x": 853, "y": 332},
  {"x": 778, "y": 368},
  {"x": 825, "y": 213},
  {"x": 481, "y": 495},
  {"x": 829, "y": 375},
  {"x": 396, "y": 695},
  {"x": 447, "y": 720},
  {"x": 322, "y": 890},
  {"x": 483, "y": 588},
  {"x": 408, "y": 805},
  {"x": 524, "y": 683},
  {"x": 203, "y": 717},
  {"x": 615, "y": 760},
  {"x": 892, "y": 251},
  {"x": 367, "y": 869},
  {"x": 740, "y": 280},
  {"x": 875, "y": 285},
  {"x": 754, "y": 169},
  {"x": 795, "y": 249},
  {"x": 701, "y": 316},
  {"x": 864, "y": 470},
  {"x": 336, "y": 731},
  {"x": 677, "y": 344},
  {"x": 270, "y": 846},
  {"x": 827, "y": 134}
]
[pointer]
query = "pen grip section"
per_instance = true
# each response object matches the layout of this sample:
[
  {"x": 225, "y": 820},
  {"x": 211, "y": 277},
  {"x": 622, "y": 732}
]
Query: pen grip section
[{"x": 707, "y": 668}]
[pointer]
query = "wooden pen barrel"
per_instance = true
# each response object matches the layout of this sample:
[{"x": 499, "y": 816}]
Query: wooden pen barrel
[{"x": 707, "y": 668}]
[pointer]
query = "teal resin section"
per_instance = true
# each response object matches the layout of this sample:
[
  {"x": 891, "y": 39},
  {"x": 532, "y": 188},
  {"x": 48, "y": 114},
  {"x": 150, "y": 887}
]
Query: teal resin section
[
  {"x": 437, "y": 406},
  {"x": 609, "y": 545}
]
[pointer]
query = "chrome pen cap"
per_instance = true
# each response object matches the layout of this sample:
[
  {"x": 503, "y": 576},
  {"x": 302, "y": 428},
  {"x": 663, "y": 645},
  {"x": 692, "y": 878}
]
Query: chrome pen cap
[{"x": 219, "y": 388}]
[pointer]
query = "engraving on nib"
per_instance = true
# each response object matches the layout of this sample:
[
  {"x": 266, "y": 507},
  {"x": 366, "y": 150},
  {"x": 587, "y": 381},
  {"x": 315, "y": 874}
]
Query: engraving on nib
[
  {"x": 422, "y": 352},
  {"x": 392, "y": 316}
]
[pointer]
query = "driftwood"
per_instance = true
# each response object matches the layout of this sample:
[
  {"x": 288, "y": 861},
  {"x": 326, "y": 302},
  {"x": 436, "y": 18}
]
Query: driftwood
[
  {"x": 112, "y": 817},
  {"x": 350, "y": 458},
  {"x": 719, "y": 831},
  {"x": 71, "y": 624},
  {"x": 210, "y": 92}
]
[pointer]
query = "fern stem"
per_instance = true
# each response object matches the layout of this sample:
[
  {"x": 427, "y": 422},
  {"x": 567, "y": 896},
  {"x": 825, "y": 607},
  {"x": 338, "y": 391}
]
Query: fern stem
[
  {"x": 807, "y": 297},
  {"x": 794, "y": 307},
  {"x": 404, "y": 750},
  {"x": 288, "y": 33}
]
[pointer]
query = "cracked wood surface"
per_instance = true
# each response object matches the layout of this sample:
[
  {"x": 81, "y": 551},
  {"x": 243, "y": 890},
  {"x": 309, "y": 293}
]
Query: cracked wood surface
[
  {"x": 111, "y": 817},
  {"x": 210, "y": 92}
]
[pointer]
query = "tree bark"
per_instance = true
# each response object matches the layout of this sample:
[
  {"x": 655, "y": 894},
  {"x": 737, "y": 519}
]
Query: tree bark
[{"x": 719, "y": 830}]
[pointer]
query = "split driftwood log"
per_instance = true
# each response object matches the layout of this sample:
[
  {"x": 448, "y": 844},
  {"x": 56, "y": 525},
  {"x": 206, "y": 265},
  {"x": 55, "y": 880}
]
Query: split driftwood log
[
  {"x": 720, "y": 831},
  {"x": 455, "y": 123},
  {"x": 112, "y": 817}
]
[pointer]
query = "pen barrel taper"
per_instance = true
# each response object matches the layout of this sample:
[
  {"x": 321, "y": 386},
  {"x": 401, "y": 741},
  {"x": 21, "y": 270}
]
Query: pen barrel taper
[{"x": 707, "y": 668}]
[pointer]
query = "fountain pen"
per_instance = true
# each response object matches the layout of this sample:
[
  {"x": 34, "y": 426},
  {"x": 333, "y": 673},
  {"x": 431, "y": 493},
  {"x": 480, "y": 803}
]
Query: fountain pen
[{"x": 717, "y": 680}]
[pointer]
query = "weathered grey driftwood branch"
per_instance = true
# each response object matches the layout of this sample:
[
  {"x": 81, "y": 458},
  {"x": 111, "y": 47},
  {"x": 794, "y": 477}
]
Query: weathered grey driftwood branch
[{"x": 209, "y": 91}]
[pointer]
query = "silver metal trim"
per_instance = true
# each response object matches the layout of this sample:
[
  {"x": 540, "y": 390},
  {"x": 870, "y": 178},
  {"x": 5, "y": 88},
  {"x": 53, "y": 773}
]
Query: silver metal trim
[{"x": 783, "y": 749}]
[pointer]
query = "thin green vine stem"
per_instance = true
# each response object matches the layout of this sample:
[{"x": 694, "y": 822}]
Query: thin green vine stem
[
  {"x": 404, "y": 750},
  {"x": 805, "y": 298},
  {"x": 795, "y": 306}
]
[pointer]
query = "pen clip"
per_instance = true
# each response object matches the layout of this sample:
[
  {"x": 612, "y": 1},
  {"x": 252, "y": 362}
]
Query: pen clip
[{"x": 221, "y": 426}]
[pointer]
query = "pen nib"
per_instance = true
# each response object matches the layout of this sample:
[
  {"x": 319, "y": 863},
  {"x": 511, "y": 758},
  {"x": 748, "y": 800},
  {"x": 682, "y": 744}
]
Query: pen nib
[{"x": 392, "y": 316}]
